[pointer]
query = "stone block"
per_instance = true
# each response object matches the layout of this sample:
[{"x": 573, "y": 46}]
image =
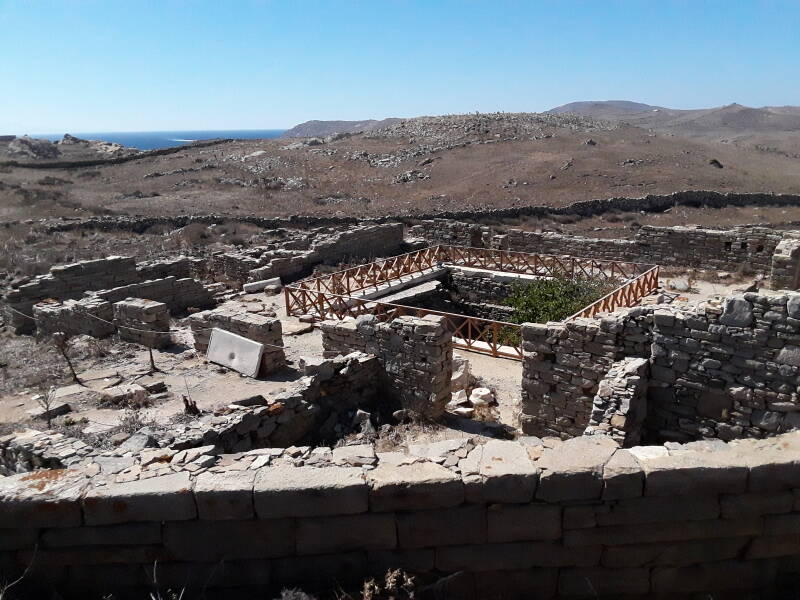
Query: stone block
[
  {"x": 196, "y": 576},
  {"x": 516, "y": 585},
  {"x": 42, "y": 498},
  {"x": 442, "y": 527},
  {"x": 412, "y": 561},
  {"x": 754, "y": 504},
  {"x": 516, "y": 523},
  {"x": 657, "y": 509},
  {"x": 342, "y": 533},
  {"x": 225, "y": 495},
  {"x": 18, "y": 539},
  {"x": 324, "y": 571},
  {"x": 735, "y": 575},
  {"x": 623, "y": 477},
  {"x": 413, "y": 487},
  {"x": 167, "y": 498},
  {"x": 574, "y": 469},
  {"x": 598, "y": 582},
  {"x": 505, "y": 471},
  {"x": 693, "y": 474},
  {"x": 674, "y": 553},
  {"x": 127, "y": 534},
  {"x": 309, "y": 491},
  {"x": 513, "y": 556},
  {"x": 223, "y": 540},
  {"x": 235, "y": 352},
  {"x": 737, "y": 312}
]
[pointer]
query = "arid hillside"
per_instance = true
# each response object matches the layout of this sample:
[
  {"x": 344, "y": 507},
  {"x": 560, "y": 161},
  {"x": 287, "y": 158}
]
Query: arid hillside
[{"x": 425, "y": 164}]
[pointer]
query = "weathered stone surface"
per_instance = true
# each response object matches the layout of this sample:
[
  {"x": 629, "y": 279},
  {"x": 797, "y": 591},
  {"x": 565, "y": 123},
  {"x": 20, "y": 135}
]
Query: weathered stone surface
[
  {"x": 226, "y": 495},
  {"x": 690, "y": 473},
  {"x": 510, "y": 523},
  {"x": 223, "y": 540},
  {"x": 655, "y": 509},
  {"x": 308, "y": 491},
  {"x": 411, "y": 487},
  {"x": 45, "y": 498},
  {"x": 574, "y": 470},
  {"x": 674, "y": 553},
  {"x": 167, "y": 498},
  {"x": 761, "y": 503},
  {"x": 512, "y": 556},
  {"x": 723, "y": 575},
  {"x": 342, "y": 533},
  {"x": 737, "y": 312},
  {"x": 442, "y": 527},
  {"x": 109, "y": 535},
  {"x": 505, "y": 473},
  {"x": 325, "y": 570},
  {"x": 623, "y": 477}
]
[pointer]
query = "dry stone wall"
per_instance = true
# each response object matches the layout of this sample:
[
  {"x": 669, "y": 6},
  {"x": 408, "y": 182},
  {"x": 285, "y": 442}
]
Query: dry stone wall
[
  {"x": 87, "y": 316},
  {"x": 751, "y": 248},
  {"x": 177, "y": 294},
  {"x": 416, "y": 354},
  {"x": 720, "y": 369},
  {"x": 620, "y": 405},
  {"x": 144, "y": 322},
  {"x": 528, "y": 519}
]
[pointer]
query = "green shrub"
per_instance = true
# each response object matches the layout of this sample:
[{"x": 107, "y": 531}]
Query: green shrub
[{"x": 556, "y": 298}]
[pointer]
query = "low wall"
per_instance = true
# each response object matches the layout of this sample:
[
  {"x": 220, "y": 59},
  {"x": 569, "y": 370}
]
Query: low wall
[
  {"x": 88, "y": 316},
  {"x": 719, "y": 369},
  {"x": 751, "y": 248},
  {"x": 177, "y": 294},
  {"x": 517, "y": 520},
  {"x": 234, "y": 318}
]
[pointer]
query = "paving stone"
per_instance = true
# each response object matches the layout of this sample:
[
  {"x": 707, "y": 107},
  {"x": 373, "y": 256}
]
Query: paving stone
[
  {"x": 225, "y": 495},
  {"x": 167, "y": 498},
  {"x": 309, "y": 491},
  {"x": 413, "y": 487}
]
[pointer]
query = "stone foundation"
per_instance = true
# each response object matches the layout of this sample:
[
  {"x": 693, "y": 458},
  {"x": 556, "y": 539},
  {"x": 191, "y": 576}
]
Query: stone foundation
[
  {"x": 143, "y": 322},
  {"x": 88, "y": 316},
  {"x": 573, "y": 520}
]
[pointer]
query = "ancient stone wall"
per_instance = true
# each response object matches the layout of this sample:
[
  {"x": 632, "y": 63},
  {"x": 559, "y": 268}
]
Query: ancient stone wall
[
  {"x": 517, "y": 520},
  {"x": 749, "y": 248},
  {"x": 620, "y": 405},
  {"x": 177, "y": 294},
  {"x": 68, "y": 282},
  {"x": 144, "y": 322},
  {"x": 233, "y": 318},
  {"x": 180, "y": 267},
  {"x": 718, "y": 369},
  {"x": 785, "y": 272},
  {"x": 87, "y": 316},
  {"x": 416, "y": 355}
]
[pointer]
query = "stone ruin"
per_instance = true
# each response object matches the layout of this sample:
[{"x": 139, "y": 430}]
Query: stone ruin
[{"x": 263, "y": 494}]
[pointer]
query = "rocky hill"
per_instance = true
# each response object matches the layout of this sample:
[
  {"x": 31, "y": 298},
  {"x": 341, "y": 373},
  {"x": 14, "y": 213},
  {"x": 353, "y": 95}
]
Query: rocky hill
[{"x": 325, "y": 128}]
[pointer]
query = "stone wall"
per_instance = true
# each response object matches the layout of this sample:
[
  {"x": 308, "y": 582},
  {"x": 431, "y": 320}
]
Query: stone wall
[
  {"x": 517, "y": 520},
  {"x": 144, "y": 322},
  {"x": 233, "y": 318},
  {"x": 68, "y": 282},
  {"x": 785, "y": 272},
  {"x": 714, "y": 249},
  {"x": 177, "y": 294},
  {"x": 719, "y": 369},
  {"x": 416, "y": 355},
  {"x": 87, "y": 316},
  {"x": 620, "y": 405}
]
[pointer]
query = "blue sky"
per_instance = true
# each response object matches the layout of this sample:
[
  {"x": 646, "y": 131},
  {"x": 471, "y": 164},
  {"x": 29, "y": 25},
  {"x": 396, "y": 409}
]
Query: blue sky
[{"x": 136, "y": 65}]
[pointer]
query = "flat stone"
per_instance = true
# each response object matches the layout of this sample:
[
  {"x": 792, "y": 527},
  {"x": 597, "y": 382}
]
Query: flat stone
[
  {"x": 356, "y": 456},
  {"x": 411, "y": 487},
  {"x": 43, "y": 498},
  {"x": 56, "y": 410},
  {"x": 309, "y": 491},
  {"x": 789, "y": 355},
  {"x": 167, "y": 498},
  {"x": 623, "y": 477},
  {"x": 574, "y": 470},
  {"x": 235, "y": 352},
  {"x": 437, "y": 449},
  {"x": 505, "y": 473},
  {"x": 225, "y": 495},
  {"x": 737, "y": 312}
]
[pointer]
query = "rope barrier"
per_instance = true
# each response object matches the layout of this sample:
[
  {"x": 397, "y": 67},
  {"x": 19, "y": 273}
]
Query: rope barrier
[{"x": 129, "y": 328}]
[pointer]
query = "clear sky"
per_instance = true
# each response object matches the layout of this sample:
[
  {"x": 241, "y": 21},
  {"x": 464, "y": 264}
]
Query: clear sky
[{"x": 137, "y": 65}]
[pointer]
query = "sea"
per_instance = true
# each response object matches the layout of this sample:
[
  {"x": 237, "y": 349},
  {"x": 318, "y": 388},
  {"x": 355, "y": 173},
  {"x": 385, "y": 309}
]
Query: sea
[{"x": 152, "y": 140}]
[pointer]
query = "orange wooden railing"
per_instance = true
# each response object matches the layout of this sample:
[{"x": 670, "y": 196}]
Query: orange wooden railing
[
  {"x": 627, "y": 294},
  {"x": 331, "y": 296}
]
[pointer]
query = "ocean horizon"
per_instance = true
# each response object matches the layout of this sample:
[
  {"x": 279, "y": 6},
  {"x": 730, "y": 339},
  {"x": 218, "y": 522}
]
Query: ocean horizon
[{"x": 153, "y": 140}]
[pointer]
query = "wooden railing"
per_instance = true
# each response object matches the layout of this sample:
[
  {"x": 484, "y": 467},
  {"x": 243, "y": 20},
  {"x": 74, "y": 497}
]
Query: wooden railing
[
  {"x": 627, "y": 294},
  {"x": 333, "y": 296},
  {"x": 496, "y": 338}
]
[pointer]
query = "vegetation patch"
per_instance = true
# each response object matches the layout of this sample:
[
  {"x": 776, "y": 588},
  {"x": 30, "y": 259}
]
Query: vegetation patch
[{"x": 556, "y": 298}]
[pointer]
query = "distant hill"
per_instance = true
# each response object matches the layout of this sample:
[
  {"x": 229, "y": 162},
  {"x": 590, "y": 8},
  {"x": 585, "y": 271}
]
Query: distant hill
[
  {"x": 323, "y": 128},
  {"x": 775, "y": 128}
]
